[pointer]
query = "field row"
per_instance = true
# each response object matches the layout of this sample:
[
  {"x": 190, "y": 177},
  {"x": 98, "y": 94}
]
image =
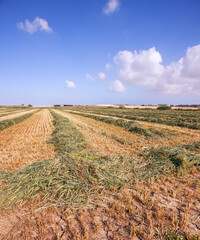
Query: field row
[
  {"x": 24, "y": 143},
  {"x": 8, "y": 112},
  {"x": 82, "y": 178},
  {"x": 188, "y": 119},
  {"x": 141, "y": 135},
  {"x": 17, "y": 114}
]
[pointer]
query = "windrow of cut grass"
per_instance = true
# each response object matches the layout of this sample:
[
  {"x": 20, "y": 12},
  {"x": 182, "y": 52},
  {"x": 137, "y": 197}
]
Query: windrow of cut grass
[
  {"x": 74, "y": 182},
  {"x": 185, "y": 118},
  {"x": 166, "y": 209},
  {"x": 7, "y": 109},
  {"x": 70, "y": 179},
  {"x": 65, "y": 137},
  {"x": 19, "y": 113},
  {"x": 75, "y": 178},
  {"x": 130, "y": 126},
  {"x": 10, "y": 112},
  {"x": 179, "y": 159},
  {"x": 10, "y": 122}
]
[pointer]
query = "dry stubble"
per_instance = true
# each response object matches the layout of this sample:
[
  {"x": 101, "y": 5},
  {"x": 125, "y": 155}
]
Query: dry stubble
[
  {"x": 109, "y": 139},
  {"x": 25, "y": 142},
  {"x": 14, "y": 115}
]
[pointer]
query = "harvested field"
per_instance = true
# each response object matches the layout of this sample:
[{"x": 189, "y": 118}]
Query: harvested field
[
  {"x": 106, "y": 181},
  {"x": 25, "y": 143},
  {"x": 109, "y": 139},
  {"x": 12, "y": 111},
  {"x": 182, "y": 118},
  {"x": 7, "y": 112},
  {"x": 148, "y": 211},
  {"x": 103, "y": 138},
  {"x": 14, "y": 115},
  {"x": 168, "y": 129}
]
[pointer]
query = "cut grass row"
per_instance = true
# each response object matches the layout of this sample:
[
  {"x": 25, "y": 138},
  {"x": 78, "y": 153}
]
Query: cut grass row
[
  {"x": 187, "y": 119},
  {"x": 130, "y": 126},
  {"x": 76, "y": 178},
  {"x": 6, "y": 113},
  {"x": 72, "y": 178},
  {"x": 65, "y": 137},
  {"x": 10, "y": 122}
]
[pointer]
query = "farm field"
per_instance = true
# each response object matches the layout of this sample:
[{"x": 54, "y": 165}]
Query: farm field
[
  {"x": 182, "y": 118},
  {"x": 25, "y": 143},
  {"x": 100, "y": 173},
  {"x": 14, "y": 114}
]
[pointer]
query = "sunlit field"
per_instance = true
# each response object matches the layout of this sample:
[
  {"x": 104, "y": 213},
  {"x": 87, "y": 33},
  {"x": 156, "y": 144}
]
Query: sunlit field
[{"x": 99, "y": 173}]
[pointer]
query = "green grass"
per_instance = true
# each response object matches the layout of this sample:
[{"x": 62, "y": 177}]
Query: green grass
[
  {"x": 169, "y": 160},
  {"x": 64, "y": 180},
  {"x": 65, "y": 137},
  {"x": 174, "y": 235}
]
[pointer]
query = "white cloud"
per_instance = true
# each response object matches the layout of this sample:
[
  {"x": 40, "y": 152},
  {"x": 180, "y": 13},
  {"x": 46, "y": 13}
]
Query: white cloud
[
  {"x": 117, "y": 86},
  {"x": 111, "y": 6},
  {"x": 108, "y": 67},
  {"x": 89, "y": 77},
  {"x": 101, "y": 76},
  {"x": 70, "y": 84},
  {"x": 145, "y": 69},
  {"x": 38, "y": 24}
]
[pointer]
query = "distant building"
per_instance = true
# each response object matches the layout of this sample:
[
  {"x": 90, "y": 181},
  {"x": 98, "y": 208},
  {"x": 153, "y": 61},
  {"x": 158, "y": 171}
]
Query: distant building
[
  {"x": 162, "y": 105},
  {"x": 56, "y": 105}
]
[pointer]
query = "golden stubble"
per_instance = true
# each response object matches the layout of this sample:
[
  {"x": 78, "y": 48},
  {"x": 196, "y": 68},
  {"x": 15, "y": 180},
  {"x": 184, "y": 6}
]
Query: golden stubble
[
  {"x": 17, "y": 114},
  {"x": 109, "y": 139},
  {"x": 25, "y": 142},
  {"x": 146, "y": 211}
]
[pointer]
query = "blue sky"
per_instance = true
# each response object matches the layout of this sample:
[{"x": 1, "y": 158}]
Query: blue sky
[{"x": 99, "y": 52}]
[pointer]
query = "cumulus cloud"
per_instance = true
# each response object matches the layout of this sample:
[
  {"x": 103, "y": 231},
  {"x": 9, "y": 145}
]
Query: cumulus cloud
[
  {"x": 145, "y": 69},
  {"x": 111, "y": 6},
  {"x": 38, "y": 24},
  {"x": 101, "y": 76},
  {"x": 117, "y": 86},
  {"x": 89, "y": 77},
  {"x": 70, "y": 84}
]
